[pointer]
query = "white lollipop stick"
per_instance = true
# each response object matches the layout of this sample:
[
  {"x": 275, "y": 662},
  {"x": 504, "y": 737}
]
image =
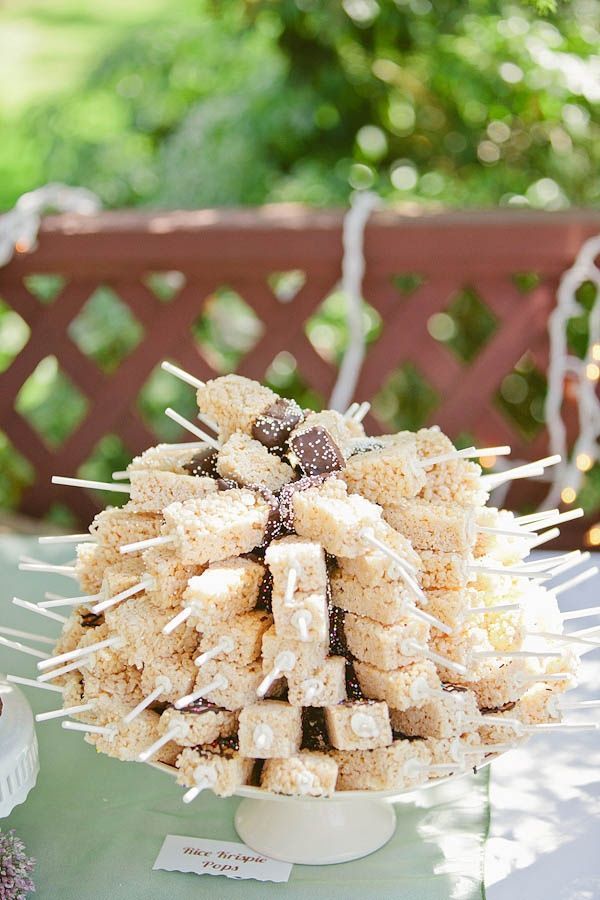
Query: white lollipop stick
[
  {"x": 69, "y": 571},
  {"x": 290, "y": 587},
  {"x": 555, "y": 520},
  {"x": 500, "y": 607},
  {"x": 262, "y": 737},
  {"x": 80, "y": 651},
  {"x": 564, "y": 638},
  {"x": 63, "y": 670},
  {"x": 361, "y": 412},
  {"x": 507, "y": 570},
  {"x": 572, "y": 563},
  {"x": 516, "y": 654},
  {"x": 205, "y": 778},
  {"x": 122, "y": 475},
  {"x": 163, "y": 684},
  {"x": 522, "y": 680},
  {"x": 369, "y": 538},
  {"x": 353, "y": 408},
  {"x": 304, "y": 782},
  {"x": 499, "y": 720},
  {"x": 467, "y": 453},
  {"x": 32, "y": 559},
  {"x": 86, "y": 483},
  {"x": 67, "y": 711},
  {"x": 29, "y": 651},
  {"x": 570, "y": 704},
  {"x": 219, "y": 683},
  {"x": 186, "y": 445},
  {"x": 552, "y": 562},
  {"x": 581, "y": 632},
  {"x": 30, "y": 682},
  {"x": 67, "y": 601},
  {"x": 108, "y": 730},
  {"x": 426, "y": 617},
  {"x": 567, "y": 726},
  {"x": 537, "y": 516},
  {"x": 312, "y": 687},
  {"x": 224, "y": 645},
  {"x": 34, "y": 608},
  {"x": 193, "y": 429},
  {"x": 148, "y": 542},
  {"x": 194, "y": 792},
  {"x": 412, "y": 648},
  {"x": 210, "y": 423},
  {"x": 178, "y": 620},
  {"x": 128, "y": 592},
  {"x": 581, "y": 613},
  {"x": 28, "y": 635},
  {"x": 507, "y": 532},
  {"x": 177, "y": 731},
  {"x": 283, "y": 663},
  {"x": 181, "y": 374},
  {"x": 67, "y": 538},
  {"x": 544, "y": 537},
  {"x": 498, "y": 478},
  {"x": 301, "y": 620},
  {"x": 573, "y": 582}
]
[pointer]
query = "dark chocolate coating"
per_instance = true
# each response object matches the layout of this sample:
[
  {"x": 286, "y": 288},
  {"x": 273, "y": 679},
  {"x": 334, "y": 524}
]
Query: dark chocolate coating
[
  {"x": 317, "y": 452},
  {"x": 203, "y": 463},
  {"x": 314, "y": 730},
  {"x": 274, "y": 426}
]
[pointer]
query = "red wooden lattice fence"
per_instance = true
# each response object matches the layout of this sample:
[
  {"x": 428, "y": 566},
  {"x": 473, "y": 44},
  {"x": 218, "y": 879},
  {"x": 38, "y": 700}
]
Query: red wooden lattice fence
[{"x": 443, "y": 254}]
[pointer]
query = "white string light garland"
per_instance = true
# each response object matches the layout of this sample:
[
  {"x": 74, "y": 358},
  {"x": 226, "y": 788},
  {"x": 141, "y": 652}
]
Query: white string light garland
[
  {"x": 362, "y": 205},
  {"x": 583, "y": 375},
  {"x": 19, "y": 227}
]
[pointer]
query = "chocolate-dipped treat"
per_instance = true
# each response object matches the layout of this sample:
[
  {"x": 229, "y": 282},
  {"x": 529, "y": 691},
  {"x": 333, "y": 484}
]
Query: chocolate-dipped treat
[
  {"x": 203, "y": 463},
  {"x": 274, "y": 426},
  {"x": 316, "y": 452}
]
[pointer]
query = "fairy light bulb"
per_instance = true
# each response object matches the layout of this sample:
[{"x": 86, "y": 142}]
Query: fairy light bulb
[
  {"x": 487, "y": 462},
  {"x": 592, "y": 371},
  {"x": 596, "y": 352},
  {"x": 592, "y": 537},
  {"x": 568, "y": 495},
  {"x": 584, "y": 462}
]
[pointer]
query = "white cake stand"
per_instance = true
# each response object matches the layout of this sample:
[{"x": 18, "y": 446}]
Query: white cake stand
[
  {"x": 320, "y": 831},
  {"x": 19, "y": 763}
]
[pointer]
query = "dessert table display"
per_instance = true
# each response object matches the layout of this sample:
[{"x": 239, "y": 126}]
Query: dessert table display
[{"x": 316, "y": 620}]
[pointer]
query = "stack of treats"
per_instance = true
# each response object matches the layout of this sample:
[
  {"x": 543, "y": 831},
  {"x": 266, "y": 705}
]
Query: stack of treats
[{"x": 293, "y": 605}]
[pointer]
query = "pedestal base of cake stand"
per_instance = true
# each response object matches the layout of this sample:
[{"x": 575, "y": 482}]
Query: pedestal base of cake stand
[{"x": 315, "y": 833}]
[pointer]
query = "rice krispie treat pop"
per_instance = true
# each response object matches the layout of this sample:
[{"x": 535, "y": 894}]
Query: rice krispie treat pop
[
  {"x": 295, "y": 605},
  {"x": 306, "y": 774}
]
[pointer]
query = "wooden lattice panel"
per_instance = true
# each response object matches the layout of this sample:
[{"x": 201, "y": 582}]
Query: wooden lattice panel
[{"x": 446, "y": 254}]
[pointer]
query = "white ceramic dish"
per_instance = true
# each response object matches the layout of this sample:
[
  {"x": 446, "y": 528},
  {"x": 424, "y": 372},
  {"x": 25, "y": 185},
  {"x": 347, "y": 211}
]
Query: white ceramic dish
[
  {"x": 19, "y": 762},
  {"x": 321, "y": 830}
]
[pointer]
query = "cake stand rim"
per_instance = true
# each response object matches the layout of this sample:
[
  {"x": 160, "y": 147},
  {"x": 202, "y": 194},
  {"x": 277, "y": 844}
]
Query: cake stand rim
[{"x": 250, "y": 792}]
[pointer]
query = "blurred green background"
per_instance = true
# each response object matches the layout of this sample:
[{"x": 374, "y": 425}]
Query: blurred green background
[{"x": 151, "y": 103}]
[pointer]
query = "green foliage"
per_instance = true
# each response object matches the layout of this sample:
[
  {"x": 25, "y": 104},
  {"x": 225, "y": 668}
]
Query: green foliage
[{"x": 248, "y": 102}]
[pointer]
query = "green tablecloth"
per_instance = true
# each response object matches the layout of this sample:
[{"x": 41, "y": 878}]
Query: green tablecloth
[{"x": 95, "y": 825}]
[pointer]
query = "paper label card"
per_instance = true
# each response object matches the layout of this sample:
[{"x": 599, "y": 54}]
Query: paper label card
[{"x": 206, "y": 857}]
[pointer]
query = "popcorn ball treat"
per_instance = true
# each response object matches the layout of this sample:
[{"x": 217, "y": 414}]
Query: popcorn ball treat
[{"x": 297, "y": 606}]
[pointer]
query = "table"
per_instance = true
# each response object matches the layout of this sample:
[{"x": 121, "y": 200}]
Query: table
[{"x": 543, "y": 838}]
